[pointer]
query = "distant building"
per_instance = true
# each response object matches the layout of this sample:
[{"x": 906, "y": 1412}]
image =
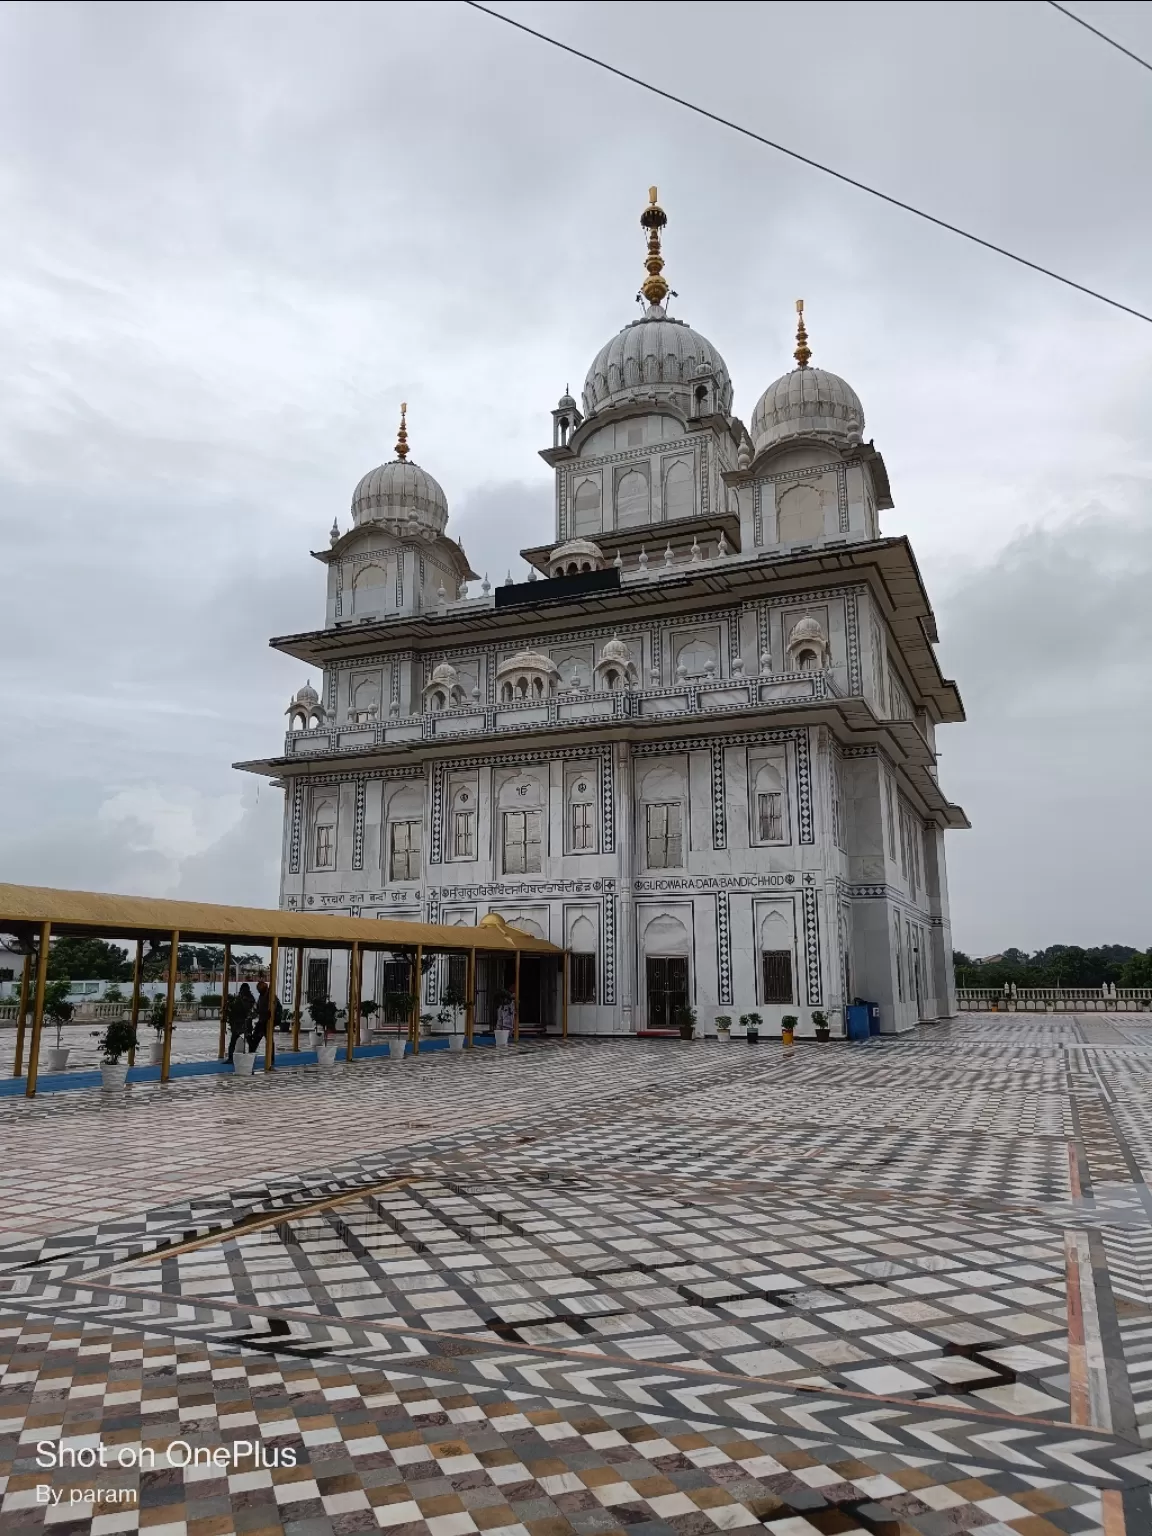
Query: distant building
[{"x": 697, "y": 747}]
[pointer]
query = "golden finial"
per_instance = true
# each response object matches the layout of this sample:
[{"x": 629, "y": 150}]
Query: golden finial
[
  {"x": 803, "y": 351},
  {"x": 653, "y": 219},
  {"x": 402, "y": 435}
]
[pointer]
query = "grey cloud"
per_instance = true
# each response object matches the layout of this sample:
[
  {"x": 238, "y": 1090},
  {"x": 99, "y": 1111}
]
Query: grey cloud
[{"x": 238, "y": 235}]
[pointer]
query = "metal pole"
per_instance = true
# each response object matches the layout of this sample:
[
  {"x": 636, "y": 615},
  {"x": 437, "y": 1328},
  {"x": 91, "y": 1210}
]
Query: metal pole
[
  {"x": 516, "y": 1000},
  {"x": 170, "y": 1009},
  {"x": 418, "y": 982},
  {"x": 25, "y": 981},
  {"x": 270, "y": 1024},
  {"x": 38, "y": 1010},
  {"x": 137, "y": 977},
  {"x": 564, "y": 995},
  {"x": 223, "y": 1046},
  {"x": 353, "y": 999},
  {"x": 298, "y": 998},
  {"x": 470, "y": 1003}
]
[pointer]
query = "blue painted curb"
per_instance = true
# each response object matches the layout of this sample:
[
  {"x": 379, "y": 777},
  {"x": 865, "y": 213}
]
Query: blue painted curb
[{"x": 64, "y": 1082}]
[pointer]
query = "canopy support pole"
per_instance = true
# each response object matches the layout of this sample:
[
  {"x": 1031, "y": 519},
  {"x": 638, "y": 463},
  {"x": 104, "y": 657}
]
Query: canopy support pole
[
  {"x": 270, "y": 1022},
  {"x": 298, "y": 998},
  {"x": 222, "y": 1046},
  {"x": 470, "y": 1003},
  {"x": 137, "y": 980},
  {"x": 38, "y": 1010},
  {"x": 25, "y": 983},
  {"x": 170, "y": 1008}
]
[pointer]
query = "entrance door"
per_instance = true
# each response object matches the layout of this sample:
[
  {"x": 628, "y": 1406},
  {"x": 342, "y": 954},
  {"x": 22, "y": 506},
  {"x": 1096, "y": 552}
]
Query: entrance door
[
  {"x": 667, "y": 989},
  {"x": 317, "y": 981}
]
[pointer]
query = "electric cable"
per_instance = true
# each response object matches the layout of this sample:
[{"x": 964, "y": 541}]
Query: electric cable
[
  {"x": 794, "y": 154},
  {"x": 1103, "y": 36}
]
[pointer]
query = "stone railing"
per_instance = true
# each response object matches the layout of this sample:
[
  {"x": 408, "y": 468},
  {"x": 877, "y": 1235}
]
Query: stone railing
[
  {"x": 574, "y": 706},
  {"x": 1054, "y": 1000},
  {"x": 96, "y": 1013}
]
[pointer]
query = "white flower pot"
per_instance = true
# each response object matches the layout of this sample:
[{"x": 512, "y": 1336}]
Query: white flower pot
[
  {"x": 326, "y": 1054},
  {"x": 58, "y": 1059},
  {"x": 113, "y": 1078},
  {"x": 501, "y": 1036},
  {"x": 724, "y": 1036},
  {"x": 243, "y": 1063},
  {"x": 156, "y": 1053},
  {"x": 455, "y": 1042},
  {"x": 396, "y": 1049}
]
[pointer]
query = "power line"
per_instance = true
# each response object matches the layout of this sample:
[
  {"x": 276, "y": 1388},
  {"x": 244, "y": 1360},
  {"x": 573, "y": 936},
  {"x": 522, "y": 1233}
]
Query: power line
[
  {"x": 1103, "y": 36},
  {"x": 816, "y": 165}
]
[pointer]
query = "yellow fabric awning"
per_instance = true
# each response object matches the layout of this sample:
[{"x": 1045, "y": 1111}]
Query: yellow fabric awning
[{"x": 23, "y": 908}]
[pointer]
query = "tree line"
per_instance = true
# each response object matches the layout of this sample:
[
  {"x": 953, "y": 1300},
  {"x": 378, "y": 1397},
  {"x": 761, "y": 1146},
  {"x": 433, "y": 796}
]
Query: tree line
[
  {"x": 1060, "y": 965},
  {"x": 81, "y": 959}
]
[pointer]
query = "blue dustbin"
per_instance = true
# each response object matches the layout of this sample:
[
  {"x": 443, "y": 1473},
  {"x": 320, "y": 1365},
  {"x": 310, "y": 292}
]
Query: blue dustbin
[{"x": 856, "y": 1015}]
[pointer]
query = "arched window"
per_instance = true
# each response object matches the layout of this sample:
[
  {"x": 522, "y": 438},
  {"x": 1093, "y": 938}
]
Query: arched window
[
  {"x": 632, "y": 501},
  {"x": 368, "y": 586},
  {"x": 586, "y": 508},
  {"x": 612, "y": 678},
  {"x": 807, "y": 661},
  {"x": 437, "y": 700},
  {"x": 679, "y": 492},
  {"x": 768, "y": 807},
  {"x": 324, "y": 832},
  {"x": 505, "y": 693}
]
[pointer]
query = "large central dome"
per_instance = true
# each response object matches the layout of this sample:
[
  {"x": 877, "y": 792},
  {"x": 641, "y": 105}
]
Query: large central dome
[{"x": 655, "y": 357}]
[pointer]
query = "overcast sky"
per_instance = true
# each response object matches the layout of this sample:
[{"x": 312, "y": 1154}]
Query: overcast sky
[{"x": 236, "y": 236}]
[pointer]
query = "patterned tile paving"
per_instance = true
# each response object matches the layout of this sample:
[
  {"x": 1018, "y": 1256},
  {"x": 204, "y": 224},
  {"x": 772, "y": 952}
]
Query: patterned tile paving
[{"x": 508, "y": 1306}]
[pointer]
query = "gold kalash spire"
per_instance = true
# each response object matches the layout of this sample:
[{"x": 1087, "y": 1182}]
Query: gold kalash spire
[
  {"x": 402, "y": 435},
  {"x": 653, "y": 219},
  {"x": 803, "y": 352}
]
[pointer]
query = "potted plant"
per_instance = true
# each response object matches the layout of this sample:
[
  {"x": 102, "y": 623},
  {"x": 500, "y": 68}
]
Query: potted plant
[
  {"x": 323, "y": 1013},
  {"x": 59, "y": 1010},
  {"x": 117, "y": 1040},
  {"x": 685, "y": 1020},
  {"x": 823, "y": 1029},
  {"x": 504, "y": 1007},
  {"x": 751, "y": 1023},
  {"x": 787, "y": 1028},
  {"x": 453, "y": 1002},
  {"x": 157, "y": 1018},
  {"x": 369, "y": 1007},
  {"x": 400, "y": 1006},
  {"x": 724, "y": 1027}
]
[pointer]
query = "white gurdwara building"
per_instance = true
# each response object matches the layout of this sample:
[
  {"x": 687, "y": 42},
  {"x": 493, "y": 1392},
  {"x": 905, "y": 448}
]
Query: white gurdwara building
[{"x": 697, "y": 749}]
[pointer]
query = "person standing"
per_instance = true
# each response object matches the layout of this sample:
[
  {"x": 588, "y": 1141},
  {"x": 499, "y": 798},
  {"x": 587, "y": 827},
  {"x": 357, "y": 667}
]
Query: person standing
[
  {"x": 264, "y": 1001},
  {"x": 240, "y": 1011}
]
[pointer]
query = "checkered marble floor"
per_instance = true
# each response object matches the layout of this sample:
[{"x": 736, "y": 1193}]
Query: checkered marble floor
[{"x": 899, "y": 1287}]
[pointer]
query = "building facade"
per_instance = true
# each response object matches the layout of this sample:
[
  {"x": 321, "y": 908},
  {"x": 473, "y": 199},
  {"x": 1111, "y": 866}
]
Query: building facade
[{"x": 697, "y": 748}]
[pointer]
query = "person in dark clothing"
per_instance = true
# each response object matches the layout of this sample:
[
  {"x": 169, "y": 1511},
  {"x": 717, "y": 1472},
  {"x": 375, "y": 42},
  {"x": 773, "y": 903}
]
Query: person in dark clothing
[
  {"x": 240, "y": 1011},
  {"x": 259, "y": 1026}
]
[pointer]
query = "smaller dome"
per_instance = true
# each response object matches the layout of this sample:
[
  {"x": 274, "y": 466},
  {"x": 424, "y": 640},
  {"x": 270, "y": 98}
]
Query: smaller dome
[
  {"x": 529, "y": 661},
  {"x": 806, "y": 628},
  {"x": 808, "y": 402},
  {"x": 444, "y": 673},
  {"x": 566, "y": 402},
  {"x": 307, "y": 696},
  {"x": 401, "y": 494},
  {"x": 615, "y": 650},
  {"x": 579, "y": 554}
]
